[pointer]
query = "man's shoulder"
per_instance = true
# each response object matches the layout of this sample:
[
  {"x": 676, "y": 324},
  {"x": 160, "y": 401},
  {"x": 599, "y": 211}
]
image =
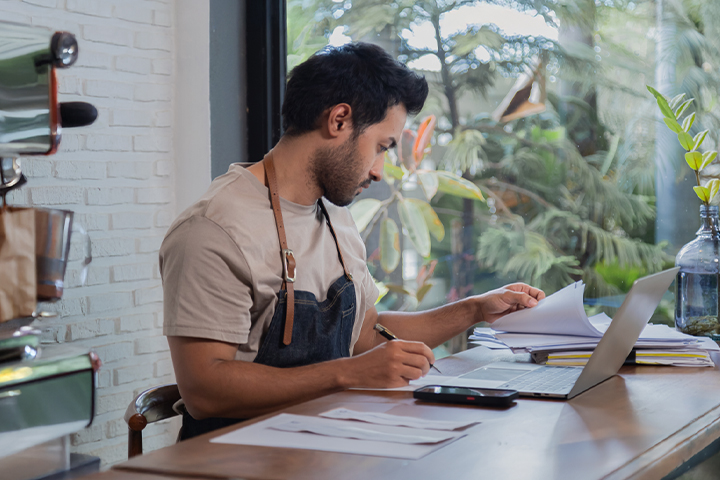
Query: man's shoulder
[{"x": 232, "y": 204}]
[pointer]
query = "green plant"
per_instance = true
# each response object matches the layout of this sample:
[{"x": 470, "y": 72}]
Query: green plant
[
  {"x": 417, "y": 216},
  {"x": 672, "y": 111}
]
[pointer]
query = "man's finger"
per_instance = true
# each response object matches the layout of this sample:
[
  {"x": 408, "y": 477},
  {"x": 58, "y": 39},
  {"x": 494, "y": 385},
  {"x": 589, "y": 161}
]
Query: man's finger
[
  {"x": 417, "y": 348},
  {"x": 523, "y": 299},
  {"x": 411, "y": 373}
]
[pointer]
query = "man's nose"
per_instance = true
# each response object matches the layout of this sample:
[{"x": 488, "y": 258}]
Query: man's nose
[{"x": 376, "y": 171}]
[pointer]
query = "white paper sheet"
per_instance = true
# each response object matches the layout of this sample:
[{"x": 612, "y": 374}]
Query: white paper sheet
[
  {"x": 561, "y": 313},
  {"x": 345, "y": 429},
  {"x": 396, "y": 420},
  {"x": 263, "y": 434}
]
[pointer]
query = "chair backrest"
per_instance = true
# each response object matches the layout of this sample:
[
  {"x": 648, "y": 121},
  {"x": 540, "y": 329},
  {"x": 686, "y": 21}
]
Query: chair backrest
[{"x": 152, "y": 405}]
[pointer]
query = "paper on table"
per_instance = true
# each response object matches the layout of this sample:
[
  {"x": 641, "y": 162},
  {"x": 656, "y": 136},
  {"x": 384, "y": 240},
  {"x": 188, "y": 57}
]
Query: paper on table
[
  {"x": 651, "y": 331},
  {"x": 561, "y": 313},
  {"x": 262, "y": 434},
  {"x": 396, "y": 420},
  {"x": 343, "y": 429}
]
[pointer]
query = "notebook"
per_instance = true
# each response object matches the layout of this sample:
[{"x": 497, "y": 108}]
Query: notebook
[{"x": 565, "y": 382}]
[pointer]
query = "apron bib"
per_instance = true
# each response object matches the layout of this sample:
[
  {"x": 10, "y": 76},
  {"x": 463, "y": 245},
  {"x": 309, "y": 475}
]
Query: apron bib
[{"x": 323, "y": 330}]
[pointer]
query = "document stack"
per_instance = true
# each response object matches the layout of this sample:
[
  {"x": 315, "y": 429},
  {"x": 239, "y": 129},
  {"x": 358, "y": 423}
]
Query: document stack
[{"x": 558, "y": 332}]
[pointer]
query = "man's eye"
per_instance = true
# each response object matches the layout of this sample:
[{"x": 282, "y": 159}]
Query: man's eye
[{"x": 383, "y": 149}]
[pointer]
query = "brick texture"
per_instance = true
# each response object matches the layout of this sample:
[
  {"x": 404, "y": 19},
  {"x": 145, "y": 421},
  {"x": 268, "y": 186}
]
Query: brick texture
[{"x": 117, "y": 176}]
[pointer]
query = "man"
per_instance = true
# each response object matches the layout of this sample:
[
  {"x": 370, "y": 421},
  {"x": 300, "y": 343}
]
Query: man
[{"x": 268, "y": 300}]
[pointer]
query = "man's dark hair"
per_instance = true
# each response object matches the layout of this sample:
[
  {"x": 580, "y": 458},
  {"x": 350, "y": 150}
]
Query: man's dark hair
[{"x": 362, "y": 75}]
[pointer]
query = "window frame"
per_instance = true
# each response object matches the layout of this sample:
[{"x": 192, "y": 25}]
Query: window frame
[{"x": 266, "y": 73}]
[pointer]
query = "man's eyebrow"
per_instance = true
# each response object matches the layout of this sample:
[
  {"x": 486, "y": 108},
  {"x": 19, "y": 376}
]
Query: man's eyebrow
[{"x": 393, "y": 143}]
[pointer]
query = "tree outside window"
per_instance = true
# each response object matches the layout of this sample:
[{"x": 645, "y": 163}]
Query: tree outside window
[{"x": 542, "y": 106}]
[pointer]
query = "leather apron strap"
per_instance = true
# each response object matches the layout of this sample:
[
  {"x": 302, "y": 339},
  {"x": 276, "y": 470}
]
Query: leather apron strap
[
  {"x": 332, "y": 231},
  {"x": 288, "y": 257}
]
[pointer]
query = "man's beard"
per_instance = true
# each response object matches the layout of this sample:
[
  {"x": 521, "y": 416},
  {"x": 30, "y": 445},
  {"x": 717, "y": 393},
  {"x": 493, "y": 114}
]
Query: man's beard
[{"x": 337, "y": 172}]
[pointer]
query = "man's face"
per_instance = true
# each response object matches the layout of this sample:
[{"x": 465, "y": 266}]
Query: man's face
[{"x": 343, "y": 172}]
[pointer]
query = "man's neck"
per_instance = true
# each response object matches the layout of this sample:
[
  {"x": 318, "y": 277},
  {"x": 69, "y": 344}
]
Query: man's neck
[{"x": 292, "y": 157}]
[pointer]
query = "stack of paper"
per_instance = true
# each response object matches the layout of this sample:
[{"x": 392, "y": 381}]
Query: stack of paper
[
  {"x": 350, "y": 431},
  {"x": 558, "y": 332},
  {"x": 682, "y": 357}
]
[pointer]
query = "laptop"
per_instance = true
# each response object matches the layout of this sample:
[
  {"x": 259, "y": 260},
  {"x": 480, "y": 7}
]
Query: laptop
[{"x": 532, "y": 380}]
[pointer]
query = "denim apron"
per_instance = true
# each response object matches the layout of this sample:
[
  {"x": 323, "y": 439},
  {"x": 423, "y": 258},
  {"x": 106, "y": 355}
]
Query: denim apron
[{"x": 322, "y": 332}]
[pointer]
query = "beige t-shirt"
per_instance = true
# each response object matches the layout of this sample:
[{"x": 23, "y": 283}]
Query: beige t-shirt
[{"x": 221, "y": 265}]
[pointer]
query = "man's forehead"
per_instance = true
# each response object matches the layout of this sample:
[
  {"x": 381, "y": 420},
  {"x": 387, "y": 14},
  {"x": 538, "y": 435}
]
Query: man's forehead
[{"x": 392, "y": 125}]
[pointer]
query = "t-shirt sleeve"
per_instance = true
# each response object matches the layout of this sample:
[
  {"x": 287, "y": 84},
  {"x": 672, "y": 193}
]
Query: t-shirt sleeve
[
  {"x": 371, "y": 290},
  {"x": 207, "y": 285}
]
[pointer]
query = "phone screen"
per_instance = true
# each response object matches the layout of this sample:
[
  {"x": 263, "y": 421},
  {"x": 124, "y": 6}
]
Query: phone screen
[{"x": 480, "y": 392}]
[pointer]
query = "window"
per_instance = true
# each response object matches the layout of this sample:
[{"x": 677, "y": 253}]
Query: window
[{"x": 542, "y": 105}]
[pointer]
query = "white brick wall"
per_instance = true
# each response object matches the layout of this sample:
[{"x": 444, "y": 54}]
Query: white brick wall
[{"x": 117, "y": 175}]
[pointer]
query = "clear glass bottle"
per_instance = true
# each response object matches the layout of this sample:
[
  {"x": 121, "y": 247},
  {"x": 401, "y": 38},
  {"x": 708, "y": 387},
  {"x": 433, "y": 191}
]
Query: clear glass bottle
[{"x": 696, "y": 307}]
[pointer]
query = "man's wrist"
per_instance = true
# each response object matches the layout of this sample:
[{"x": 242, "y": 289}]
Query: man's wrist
[
  {"x": 342, "y": 378},
  {"x": 473, "y": 306}
]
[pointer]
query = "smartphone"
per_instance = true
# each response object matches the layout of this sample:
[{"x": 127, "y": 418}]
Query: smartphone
[{"x": 491, "y": 397}]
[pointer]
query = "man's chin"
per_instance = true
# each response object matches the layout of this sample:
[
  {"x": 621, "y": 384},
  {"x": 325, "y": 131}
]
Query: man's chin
[{"x": 340, "y": 202}]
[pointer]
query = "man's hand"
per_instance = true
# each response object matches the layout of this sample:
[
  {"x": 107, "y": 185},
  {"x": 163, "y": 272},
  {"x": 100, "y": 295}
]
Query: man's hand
[
  {"x": 389, "y": 365},
  {"x": 510, "y": 298}
]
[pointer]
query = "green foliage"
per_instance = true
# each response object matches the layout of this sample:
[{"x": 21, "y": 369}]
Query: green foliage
[
  {"x": 431, "y": 218},
  {"x": 413, "y": 220},
  {"x": 389, "y": 245},
  {"x": 417, "y": 217},
  {"x": 558, "y": 212},
  {"x": 695, "y": 160},
  {"x": 363, "y": 211},
  {"x": 526, "y": 255}
]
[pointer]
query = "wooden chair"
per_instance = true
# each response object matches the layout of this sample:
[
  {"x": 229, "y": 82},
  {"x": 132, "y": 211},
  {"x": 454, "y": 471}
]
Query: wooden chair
[{"x": 150, "y": 406}]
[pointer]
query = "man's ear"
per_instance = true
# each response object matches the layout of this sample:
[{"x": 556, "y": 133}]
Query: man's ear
[{"x": 339, "y": 120}]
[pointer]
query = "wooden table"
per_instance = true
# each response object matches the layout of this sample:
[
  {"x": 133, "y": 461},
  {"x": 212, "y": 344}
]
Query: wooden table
[
  {"x": 130, "y": 475},
  {"x": 643, "y": 423}
]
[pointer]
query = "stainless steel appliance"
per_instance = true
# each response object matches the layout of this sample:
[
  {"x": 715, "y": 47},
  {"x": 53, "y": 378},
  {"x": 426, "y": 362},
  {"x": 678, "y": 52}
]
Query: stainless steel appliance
[{"x": 46, "y": 392}]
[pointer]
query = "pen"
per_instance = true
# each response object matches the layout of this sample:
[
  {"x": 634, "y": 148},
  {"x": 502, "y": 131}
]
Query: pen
[{"x": 391, "y": 336}]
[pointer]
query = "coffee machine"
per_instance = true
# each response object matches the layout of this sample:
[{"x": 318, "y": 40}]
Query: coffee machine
[{"x": 46, "y": 392}]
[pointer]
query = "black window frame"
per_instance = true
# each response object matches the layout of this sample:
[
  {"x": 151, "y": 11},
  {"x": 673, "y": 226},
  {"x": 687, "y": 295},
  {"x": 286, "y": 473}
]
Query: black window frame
[{"x": 266, "y": 73}]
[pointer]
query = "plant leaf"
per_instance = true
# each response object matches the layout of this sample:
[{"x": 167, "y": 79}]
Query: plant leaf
[
  {"x": 424, "y": 135},
  {"x": 673, "y": 125},
  {"x": 694, "y": 160},
  {"x": 683, "y": 106},
  {"x": 398, "y": 289},
  {"x": 662, "y": 103},
  {"x": 688, "y": 122},
  {"x": 414, "y": 222},
  {"x": 393, "y": 171},
  {"x": 699, "y": 138},
  {"x": 686, "y": 140},
  {"x": 676, "y": 100},
  {"x": 714, "y": 186},
  {"x": 383, "y": 290},
  {"x": 428, "y": 182},
  {"x": 458, "y": 186},
  {"x": 389, "y": 245},
  {"x": 422, "y": 291},
  {"x": 405, "y": 147},
  {"x": 432, "y": 220},
  {"x": 707, "y": 158},
  {"x": 363, "y": 212},
  {"x": 703, "y": 193}
]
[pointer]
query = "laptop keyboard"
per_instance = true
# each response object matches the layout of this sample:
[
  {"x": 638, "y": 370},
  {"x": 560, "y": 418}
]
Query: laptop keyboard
[{"x": 545, "y": 380}]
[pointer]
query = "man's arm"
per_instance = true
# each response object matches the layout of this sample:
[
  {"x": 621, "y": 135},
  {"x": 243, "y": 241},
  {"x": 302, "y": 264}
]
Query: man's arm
[
  {"x": 213, "y": 384},
  {"x": 433, "y": 327}
]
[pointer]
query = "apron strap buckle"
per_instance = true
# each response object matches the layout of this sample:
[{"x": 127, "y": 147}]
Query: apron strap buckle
[{"x": 289, "y": 271}]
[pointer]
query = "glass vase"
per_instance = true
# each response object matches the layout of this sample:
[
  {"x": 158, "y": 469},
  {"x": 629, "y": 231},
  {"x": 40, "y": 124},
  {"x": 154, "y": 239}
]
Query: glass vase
[{"x": 696, "y": 307}]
